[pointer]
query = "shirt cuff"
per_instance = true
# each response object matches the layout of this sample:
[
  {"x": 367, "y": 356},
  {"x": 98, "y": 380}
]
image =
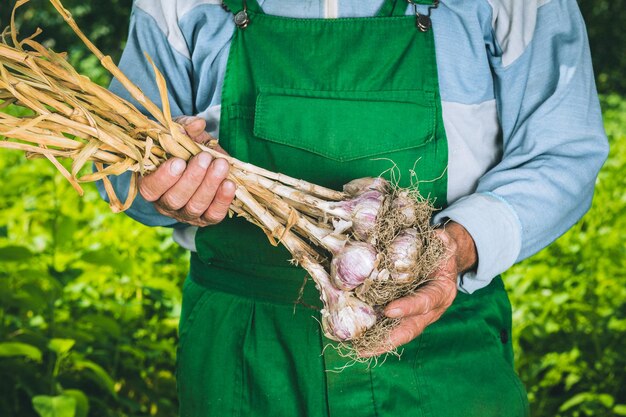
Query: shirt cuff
[
  {"x": 185, "y": 236},
  {"x": 497, "y": 232}
]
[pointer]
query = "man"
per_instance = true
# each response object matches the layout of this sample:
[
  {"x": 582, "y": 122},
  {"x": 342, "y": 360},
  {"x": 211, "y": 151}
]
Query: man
[{"x": 495, "y": 100}]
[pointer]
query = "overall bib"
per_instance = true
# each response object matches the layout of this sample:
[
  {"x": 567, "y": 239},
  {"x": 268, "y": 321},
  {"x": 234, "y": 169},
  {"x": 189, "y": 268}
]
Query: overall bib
[{"x": 330, "y": 100}]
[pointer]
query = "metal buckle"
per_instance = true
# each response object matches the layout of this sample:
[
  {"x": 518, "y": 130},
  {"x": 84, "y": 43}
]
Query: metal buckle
[
  {"x": 241, "y": 18},
  {"x": 423, "y": 21}
]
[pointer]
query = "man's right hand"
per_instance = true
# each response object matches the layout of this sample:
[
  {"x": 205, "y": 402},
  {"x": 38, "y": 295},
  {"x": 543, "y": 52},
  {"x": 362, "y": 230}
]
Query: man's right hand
[{"x": 195, "y": 192}]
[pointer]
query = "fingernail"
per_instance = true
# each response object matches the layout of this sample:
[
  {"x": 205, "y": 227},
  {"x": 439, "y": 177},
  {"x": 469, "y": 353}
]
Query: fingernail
[
  {"x": 177, "y": 167},
  {"x": 393, "y": 313},
  {"x": 221, "y": 166},
  {"x": 196, "y": 122},
  {"x": 229, "y": 186},
  {"x": 204, "y": 160}
]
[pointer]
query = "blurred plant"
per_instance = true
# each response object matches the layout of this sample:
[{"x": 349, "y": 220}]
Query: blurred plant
[
  {"x": 605, "y": 21},
  {"x": 105, "y": 23},
  {"x": 569, "y": 302},
  {"x": 89, "y": 302}
]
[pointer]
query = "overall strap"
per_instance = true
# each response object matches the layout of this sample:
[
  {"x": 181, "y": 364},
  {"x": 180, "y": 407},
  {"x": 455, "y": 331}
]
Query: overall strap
[
  {"x": 235, "y": 6},
  {"x": 388, "y": 8},
  {"x": 398, "y": 7},
  {"x": 392, "y": 8}
]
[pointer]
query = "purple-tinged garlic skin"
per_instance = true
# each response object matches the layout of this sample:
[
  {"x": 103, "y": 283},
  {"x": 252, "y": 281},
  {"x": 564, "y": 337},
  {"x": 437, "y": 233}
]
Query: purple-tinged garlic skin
[
  {"x": 353, "y": 265},
  {"x": 360, "y": 185},
  {"x": 334, "y": 242},
  {"x": 340, "y": 226},
  {"x": 403, "y": 254},
  {"x": 405, "y": 207},
  {"x": 364, "y": 210},
  {"x": 348, "y": 319},
  {"x": 344, "y": 317}
]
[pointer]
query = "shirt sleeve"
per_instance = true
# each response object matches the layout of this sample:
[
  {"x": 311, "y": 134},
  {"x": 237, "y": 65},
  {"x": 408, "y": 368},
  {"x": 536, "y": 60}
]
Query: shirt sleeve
[
  {"x": 149, "y": 34},
  {"x": 553, "y": 139}
]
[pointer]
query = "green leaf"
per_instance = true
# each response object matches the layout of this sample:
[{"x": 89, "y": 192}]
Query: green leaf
[
  {"x": 59, "y": 406},
  {"x": 102, "y": 257},
  {"x": 82, "y": 402},
  {"x": 65, "y": 229},
  {"x": 617, "y": 324},
  {"x": 604, "y": 399},
  {"x": 31, "y": 297},
  {"x": 103, "y": 323},
  {"x": 163, "y": 284},
  {"x": 61, "y": 346},
  {"x": 607, "y": 400},
  {"x": 10, "y": 349},
  {"x": 106, "y": 257},
  {"x": 99, "y": 375},
  {"x": 576, "y": 400},
  {"x": 15, "y": 253},
  {"x": 620, "y": 409}
]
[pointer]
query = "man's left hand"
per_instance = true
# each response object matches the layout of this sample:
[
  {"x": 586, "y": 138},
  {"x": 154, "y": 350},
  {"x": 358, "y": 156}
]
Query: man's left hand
[{"x": 428, "y": 304}]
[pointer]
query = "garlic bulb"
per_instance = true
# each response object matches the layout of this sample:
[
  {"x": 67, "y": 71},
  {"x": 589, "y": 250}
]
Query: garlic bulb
[
  {"x": 402, "y": 255},
  {"x": 344, "y": 317},
  {"x": 364, "y": 210},
  {"x": 361, "y": 185},
  {"x": 406, "y": 209},
  {"x": 347, "y": 318},
  {"x": 353, "y": 265}
]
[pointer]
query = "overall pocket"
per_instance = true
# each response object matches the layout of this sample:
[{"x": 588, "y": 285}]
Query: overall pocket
[
  {"x": 332, "y": 137},
  {"x": 329, "y": 138}
]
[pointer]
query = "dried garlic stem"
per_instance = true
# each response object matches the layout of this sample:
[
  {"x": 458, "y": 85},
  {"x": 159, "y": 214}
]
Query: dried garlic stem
[
  {"x": 322, "y": 236},
  {"x": 296, "y": 195}
]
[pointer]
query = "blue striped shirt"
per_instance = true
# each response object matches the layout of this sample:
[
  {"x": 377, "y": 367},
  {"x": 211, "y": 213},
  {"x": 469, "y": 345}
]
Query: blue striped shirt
[{"x": 520, "y": 108}]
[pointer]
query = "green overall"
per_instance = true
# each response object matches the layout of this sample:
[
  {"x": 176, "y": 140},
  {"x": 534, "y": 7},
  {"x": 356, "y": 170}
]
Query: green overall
[{"x": 330, "y": 100}]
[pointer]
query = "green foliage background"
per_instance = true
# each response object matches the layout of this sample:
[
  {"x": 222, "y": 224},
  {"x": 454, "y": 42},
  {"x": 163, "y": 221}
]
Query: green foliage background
[{"x": 89, "y": 301}]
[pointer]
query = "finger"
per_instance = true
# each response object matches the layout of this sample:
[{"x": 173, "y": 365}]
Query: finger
[
  {"x": 165, "y": 212},
  {"x": 153, "y": 186},
  {"x": 194, "y": 127},
  {"x": 206, "y": 192},
  {"x": 442, "y": 235},
  {"x": 433, "y": 295},
  {"x": 220, "y": 149},
  {"x": 193, "y": 123},
  {"x": 177, "y": 216},
  {"x": 195, "y": 130},
  {"x": 408, "y": 329},
  {"x": 411, "y": 305},
  {"x": 178, "y": 195},
  {"x": 202, "y": 138},
  {"x": 411, "y": 327},
  {"x": 220, "y": 205}
]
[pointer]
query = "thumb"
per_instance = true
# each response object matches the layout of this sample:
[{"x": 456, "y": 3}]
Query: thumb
[
  {"x": 191, "y": 122},
  {"x": 194, "y": 127}
]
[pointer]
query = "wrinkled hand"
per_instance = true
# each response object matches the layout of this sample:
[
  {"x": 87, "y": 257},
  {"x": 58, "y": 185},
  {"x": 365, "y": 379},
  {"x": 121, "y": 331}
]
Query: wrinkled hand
[
  {"x": 195, "y": 192},
  {"x": 428, "y": 304}
]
